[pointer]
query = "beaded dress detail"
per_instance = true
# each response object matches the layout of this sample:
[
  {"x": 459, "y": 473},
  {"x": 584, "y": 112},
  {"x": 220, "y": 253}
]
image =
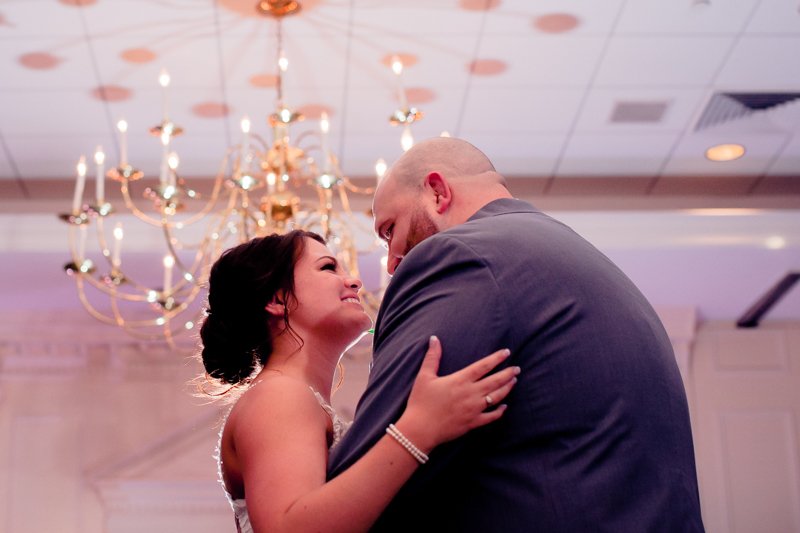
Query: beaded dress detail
[{"x": 340, "y": 426}]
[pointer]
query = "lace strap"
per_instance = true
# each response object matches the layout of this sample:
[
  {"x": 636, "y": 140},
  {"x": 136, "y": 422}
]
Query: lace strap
[
  {"x": 340, "y": 426},
  {"x": 325, "y": 405}
]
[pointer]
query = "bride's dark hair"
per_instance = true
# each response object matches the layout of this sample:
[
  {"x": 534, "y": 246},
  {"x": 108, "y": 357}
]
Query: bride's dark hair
[{"x": 235, "y": 336}]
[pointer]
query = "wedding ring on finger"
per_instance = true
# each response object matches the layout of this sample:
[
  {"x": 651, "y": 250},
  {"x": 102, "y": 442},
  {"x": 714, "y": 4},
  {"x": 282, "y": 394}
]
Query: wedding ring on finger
[{"x": 489, "y": 401}]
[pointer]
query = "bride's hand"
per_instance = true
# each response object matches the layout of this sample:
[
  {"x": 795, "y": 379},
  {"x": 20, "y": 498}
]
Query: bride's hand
[{"x": 442, "y": 408}]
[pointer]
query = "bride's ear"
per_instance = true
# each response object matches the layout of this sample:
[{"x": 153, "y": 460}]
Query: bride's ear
[{"x": 276, "y": 307}]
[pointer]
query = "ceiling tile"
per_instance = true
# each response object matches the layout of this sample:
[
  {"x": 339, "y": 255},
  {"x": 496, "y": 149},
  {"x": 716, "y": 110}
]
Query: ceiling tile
[
  {"x": 775, "y": 16},
  {"x": 689, "y": 157},
  {"x": 518, "y": 16},
  {"x": 129, "y": 17},
  {"x": 438, "y": 58},
  {"x": 7, "y": 167},
  {"x": 56, "y": 21},
  {"x": 596, "y": 112},
  {"x": 684, "y": 61},
  {"x": 760, "y": 63},
  {"x": 71, "y": 67},
  {"x": 787, "y": 160},
  {"x": 415, "y": 18},
  {"x": 616, "y": 154},
  {"x": 51, "y": 113},
  {"x": 520, "y": 109},
  {"x": 540, "y": 60},
  {"x": 62, "y": 154},
  {"x": 652, "y": 17},
  {"x": 516, "y": 154}
]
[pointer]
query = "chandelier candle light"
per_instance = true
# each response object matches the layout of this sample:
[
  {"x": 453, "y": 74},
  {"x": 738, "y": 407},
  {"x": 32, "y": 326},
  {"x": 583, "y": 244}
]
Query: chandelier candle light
[{"x": 263, "y": 187}]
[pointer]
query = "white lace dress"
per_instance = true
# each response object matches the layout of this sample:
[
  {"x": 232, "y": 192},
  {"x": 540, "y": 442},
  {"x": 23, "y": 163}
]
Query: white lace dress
[{"x": 340, "y": 426}]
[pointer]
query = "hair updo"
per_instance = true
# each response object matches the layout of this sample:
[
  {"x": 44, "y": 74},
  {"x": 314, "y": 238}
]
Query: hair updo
[{"x": 235, "y": 336}]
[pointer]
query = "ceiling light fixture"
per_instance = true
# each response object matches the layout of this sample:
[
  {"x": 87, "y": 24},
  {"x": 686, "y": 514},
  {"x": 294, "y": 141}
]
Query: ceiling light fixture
[
  {"x": 263, "y": 187},
  {"x": 725, "y": 152}
]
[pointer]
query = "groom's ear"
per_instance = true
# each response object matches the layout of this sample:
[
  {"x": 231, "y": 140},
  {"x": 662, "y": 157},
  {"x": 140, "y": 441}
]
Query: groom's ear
[{"x": 437, "y": 185}]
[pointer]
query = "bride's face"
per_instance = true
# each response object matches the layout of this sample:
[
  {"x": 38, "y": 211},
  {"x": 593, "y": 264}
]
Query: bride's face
[{"x": 327, "y": 296}]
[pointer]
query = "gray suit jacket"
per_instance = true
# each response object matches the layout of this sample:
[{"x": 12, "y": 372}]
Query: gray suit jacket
[{"x": 596, "y": 436}]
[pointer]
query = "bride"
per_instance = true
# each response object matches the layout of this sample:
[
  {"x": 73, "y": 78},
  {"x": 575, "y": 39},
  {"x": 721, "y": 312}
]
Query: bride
[{"x": 281, "y": 313}]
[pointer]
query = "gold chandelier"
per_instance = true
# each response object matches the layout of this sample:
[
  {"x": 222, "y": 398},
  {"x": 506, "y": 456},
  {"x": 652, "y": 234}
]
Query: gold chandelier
[{"x": 263, "y": 186}]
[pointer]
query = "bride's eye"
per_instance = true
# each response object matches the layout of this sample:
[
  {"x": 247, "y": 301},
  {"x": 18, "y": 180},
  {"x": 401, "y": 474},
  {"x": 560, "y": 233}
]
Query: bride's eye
[{"x": 329, "y": 266}]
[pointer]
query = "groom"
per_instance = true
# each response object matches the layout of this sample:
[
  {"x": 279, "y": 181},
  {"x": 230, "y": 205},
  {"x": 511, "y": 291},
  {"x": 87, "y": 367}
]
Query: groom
[{"x": 596, "y": 436}]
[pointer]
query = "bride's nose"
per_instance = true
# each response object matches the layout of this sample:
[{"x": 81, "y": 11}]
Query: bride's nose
[{"x": 354, "y": 283}]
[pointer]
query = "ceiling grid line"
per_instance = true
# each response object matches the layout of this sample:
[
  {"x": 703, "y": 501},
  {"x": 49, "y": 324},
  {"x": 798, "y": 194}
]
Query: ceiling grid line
[
  {"x": 773, "y": 160},
  {"x": 584, "y": 97},
  {"x": 346, "y": 83},
  {"x": 14, "y": 169},
  {"x": 689, "y": 126},
  {"x": 468, "y": 83},
  {"x": 221, "y": 69},
  {"x": 99, "y": 80}
]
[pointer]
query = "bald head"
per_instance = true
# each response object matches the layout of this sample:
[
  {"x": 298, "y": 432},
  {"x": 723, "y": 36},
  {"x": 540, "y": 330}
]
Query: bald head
[
  {"x": 454, "y": 159},
  {"x": 437, "y": 184},
  {"x": 466, "y": 170}
]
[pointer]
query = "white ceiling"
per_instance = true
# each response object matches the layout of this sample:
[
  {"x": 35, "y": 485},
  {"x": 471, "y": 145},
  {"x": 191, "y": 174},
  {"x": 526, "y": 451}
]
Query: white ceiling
[
  {"x": 533, "y": 84},
  {"x": 551, "y": 75}
]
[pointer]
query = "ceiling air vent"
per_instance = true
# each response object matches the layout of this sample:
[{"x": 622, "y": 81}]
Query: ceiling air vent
[
  {"x": 725, "y": 107},
  {"x": 638, "y": 112}
]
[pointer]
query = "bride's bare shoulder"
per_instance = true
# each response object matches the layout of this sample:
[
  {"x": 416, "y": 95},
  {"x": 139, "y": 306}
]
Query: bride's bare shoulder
[{"x": 273, "y": 398}]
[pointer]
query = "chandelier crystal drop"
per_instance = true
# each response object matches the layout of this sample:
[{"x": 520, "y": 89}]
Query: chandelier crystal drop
[{"x": 263, "y": 186}]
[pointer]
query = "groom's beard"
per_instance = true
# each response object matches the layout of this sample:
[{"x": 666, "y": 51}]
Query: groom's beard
[{"x": 421, "y": 226}]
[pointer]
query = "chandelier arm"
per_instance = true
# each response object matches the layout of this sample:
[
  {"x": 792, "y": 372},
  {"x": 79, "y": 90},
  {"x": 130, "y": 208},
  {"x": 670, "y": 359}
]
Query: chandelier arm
[
  {"x": 141, "y": 215},
  {"x": 245, "y": 214},
  {"x": 249, "y": 215},
  {"x": 345, "y": 200},
  {"x": 126, "y": 296},
  {"x": 168, "y": 335},
  {"x": 131, "y": 326},
  {"x": 171, "y": 250},
  {"x": 134, "y": 331},
  {"x": 101, "y": 239},
  {"x": 366, "y": 228},
  {"x": 305, "y": 134},
  {"x": 223, "y": 216},
  {"x": 182, "y": 306},
  {"x": 88, "y": 306},
  {"x": 279, "y": 35},
  {"x": 73, "y": 245},
  {"x": 325, "y": 203},
  {"x": 191, "y": 220},
  {"x": 115, "y": 310},
  {"x": 212, "y": 201},
  {"x": 202, "y": 257},
  {"x": 353, "y": 188},
  {"x": 168, "y": 315}
]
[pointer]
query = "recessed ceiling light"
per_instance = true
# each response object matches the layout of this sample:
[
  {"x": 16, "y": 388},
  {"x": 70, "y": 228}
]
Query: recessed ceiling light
[
  {"x": 776, "y": 242},
  {"x": 725, "y": 152}
]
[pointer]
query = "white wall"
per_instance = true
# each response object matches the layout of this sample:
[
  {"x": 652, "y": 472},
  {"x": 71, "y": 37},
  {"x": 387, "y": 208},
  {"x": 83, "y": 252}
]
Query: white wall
[{"x": 102, "y": 434}]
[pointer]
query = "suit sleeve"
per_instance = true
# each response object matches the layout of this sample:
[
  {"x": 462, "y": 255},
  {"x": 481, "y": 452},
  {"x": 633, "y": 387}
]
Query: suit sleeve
[{"x": 442, "y": 287}]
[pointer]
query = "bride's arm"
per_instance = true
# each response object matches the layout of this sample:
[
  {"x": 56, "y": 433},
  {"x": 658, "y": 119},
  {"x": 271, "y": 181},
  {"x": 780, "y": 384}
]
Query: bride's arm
[{"x": 281, "y": 444}]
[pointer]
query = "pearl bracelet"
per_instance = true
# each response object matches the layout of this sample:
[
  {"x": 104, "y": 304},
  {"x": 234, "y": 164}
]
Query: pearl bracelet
[{"x": 407, "y": 444}]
